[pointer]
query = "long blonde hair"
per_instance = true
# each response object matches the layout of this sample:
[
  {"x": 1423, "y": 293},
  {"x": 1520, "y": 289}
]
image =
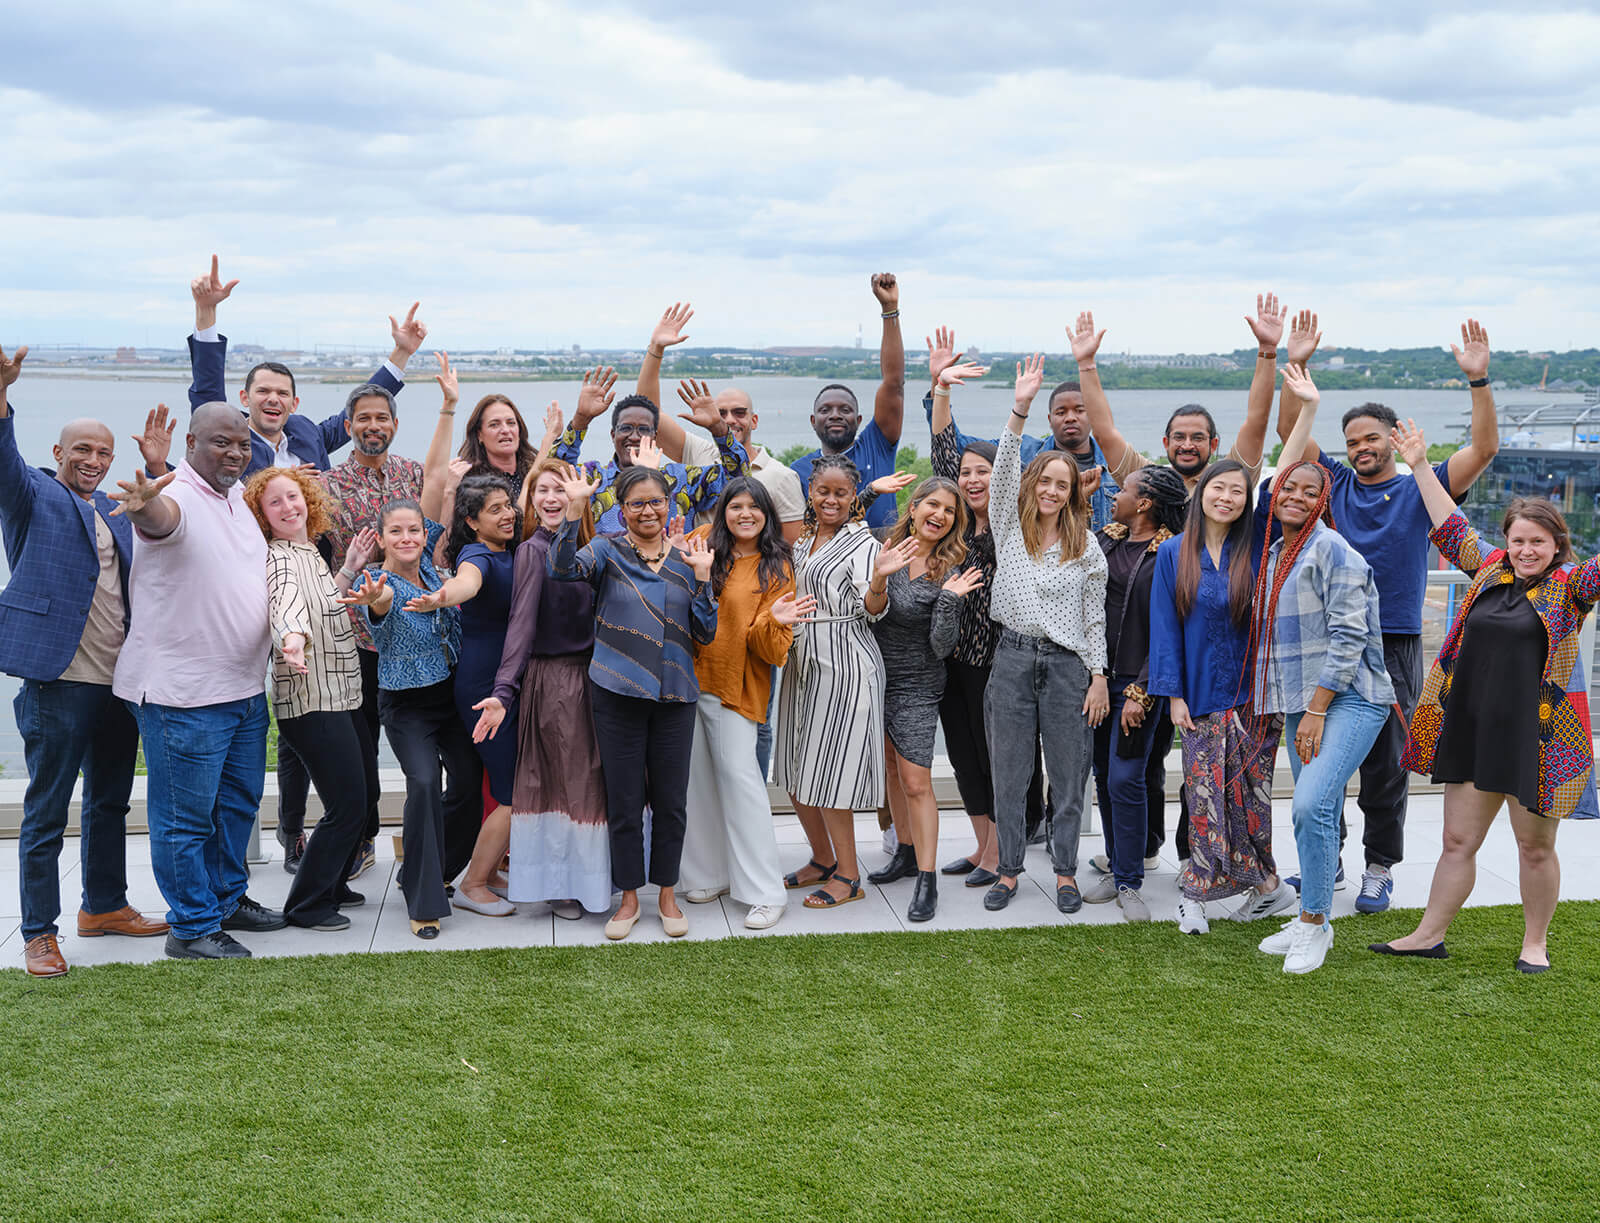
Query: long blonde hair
[
  {"x": 950, "y": 551},
  {"x": 1073, "y": 517}
]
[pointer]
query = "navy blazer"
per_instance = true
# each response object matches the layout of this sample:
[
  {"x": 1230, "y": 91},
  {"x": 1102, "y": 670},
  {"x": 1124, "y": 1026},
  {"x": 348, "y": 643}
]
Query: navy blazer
[
  {"x": 309, "y": 441},
  {"x": 50, "y": 546}
]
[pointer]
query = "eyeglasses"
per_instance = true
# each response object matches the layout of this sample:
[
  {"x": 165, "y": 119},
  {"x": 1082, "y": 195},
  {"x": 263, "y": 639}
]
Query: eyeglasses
[
  {"x": 639, "y": 507},
  {"x": 635, "y": 430}
]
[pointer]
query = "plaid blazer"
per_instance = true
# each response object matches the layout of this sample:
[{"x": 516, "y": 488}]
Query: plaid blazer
[
  {"x": 50, "y": 547},
  {"x": 1566, "y": 757}
]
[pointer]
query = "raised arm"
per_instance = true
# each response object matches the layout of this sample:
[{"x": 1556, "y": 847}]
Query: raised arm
[
  {"x": 1468, "y": 463},
  {"x": 436, "y": 483},
  {"x": 1303, "y": 340},
  {"x": 947, "y": 445},
  {"x": 207, "y": 357},
  {"x": 408, "y": 337},
  {"x": 1267, "y": 327},
  {"x": 1006, "y": 481},
  {"x": 668, "y": 331},
  {"x": 1412, "y": 448},
  {"x": 889, "y": 405},
  {"x": 594, "y": 400},
  {"x": 567, "y": 561},
  {"x": 1298, "y": 387},
  {"x": 16, "y": 489}
]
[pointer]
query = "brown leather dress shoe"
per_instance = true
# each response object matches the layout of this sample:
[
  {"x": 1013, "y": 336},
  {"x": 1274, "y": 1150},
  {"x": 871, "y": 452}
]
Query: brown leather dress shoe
[
  {"x": 126, "y": 920},
  {"x": 44, "y": 957}
]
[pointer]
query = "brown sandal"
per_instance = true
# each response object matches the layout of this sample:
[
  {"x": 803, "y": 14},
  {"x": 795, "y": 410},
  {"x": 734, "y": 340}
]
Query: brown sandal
[{"x": 825, "y": 900}]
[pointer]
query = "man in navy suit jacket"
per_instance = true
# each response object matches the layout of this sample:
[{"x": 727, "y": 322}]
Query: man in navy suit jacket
[{"x": 63, "y": 617}]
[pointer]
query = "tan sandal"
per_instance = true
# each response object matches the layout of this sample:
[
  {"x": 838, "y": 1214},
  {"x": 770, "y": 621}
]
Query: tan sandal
[{"x": 826, "y": 900}]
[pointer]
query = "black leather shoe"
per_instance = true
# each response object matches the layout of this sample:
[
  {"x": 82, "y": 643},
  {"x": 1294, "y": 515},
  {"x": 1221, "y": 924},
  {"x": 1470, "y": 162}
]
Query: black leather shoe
[
  {"x": 1525, "y": 966},
  {"x": 925, "y": 898},
  {"x": 218, "y": 946},
  {"x": 980, "y": 878},
  {"x": 294, "y": 848},
  {"x": 961, "y": 866},
  {"x": 254, "y": 917},
  {"x": 1068, "y": 898},
  {"x": 902, "y": 866},
  {"x": 999, "y": 897}
]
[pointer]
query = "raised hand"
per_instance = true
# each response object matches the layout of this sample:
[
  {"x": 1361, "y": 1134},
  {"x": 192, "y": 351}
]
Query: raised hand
[
  {"x": 889, "y": 485},
  {"x": 648, "y": 454},
  {"x": 491, "y": 713},
  {"x": 886, "y": 290},
  {"x": 941, "y": 351},
  {"x": 457, "y": 471},
  {"x": 677, "y": 537},
  {"x": 446, "y": 378},
  {"x": 1085, "y": 339},
  {"x": 957, "y": 374},
  {"x": 369, "y": 592},
  {"x": 596, "y": 394},
  {"x": 1303, "y": 337},
  {"x": 891, "y": 560},
  {"x": 552, "y": 424},
  {"x": 702, "y": 407},
  {"x": 579, "y": 488},
  {"x": 408, "y": 336},
  {"x": 699, "y": 555},
  {"x": 669, "y": 330},
  {"x": 209, "y": 292},
  {"x": 1267, "y": 326},
  {"x": 363, "y": 547},
  {"x": 1030, "y": 377},
  {"x": 1297, "y": 381},
  {"x": 790, "y": 611},
  {"x": 11, "y": 367},
  {"x": 431, "y": 600},
  {"x": 294, "y": 653},
  {"x": 1473, "y": 355},
  {"x": 1089, "y": 481},
  {"x": 964, "y": 583},
  {"x": 140, "y": 492},
  {"x": 1408, "y": 440},
  {"x": 155, "y": 443}
]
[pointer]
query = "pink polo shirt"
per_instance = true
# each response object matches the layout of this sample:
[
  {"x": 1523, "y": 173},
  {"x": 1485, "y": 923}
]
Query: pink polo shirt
[{"x": 198, "y": 603}]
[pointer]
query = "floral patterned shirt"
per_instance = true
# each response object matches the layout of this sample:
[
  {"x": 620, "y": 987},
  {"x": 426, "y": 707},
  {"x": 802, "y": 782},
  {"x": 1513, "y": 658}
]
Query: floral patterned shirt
[{"x": 358, "y": 492}]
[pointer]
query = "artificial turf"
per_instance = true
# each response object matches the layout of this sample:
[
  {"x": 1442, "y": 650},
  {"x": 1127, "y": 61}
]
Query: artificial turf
[{"x": 1085, "y": 1072}]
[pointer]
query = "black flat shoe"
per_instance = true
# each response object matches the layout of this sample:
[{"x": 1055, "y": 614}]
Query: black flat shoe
[
  {"x": 1530, "y": 969},
  {"x": 980, "y": 878},
  {"x": 254, "y": 917},
  {"x": 902, "y": 866},
  {"x": 1068, "y": 898},
  {"x": 961, "y": 866},
  {"x": 925, "y": 898},
  {"x": 1436, "y": 952},
  {"x": 999, "y": 896}
]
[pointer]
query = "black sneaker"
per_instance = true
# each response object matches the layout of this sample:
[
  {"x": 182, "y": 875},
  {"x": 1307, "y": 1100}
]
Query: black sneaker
[
  {"x": 365, "y": 860},
  {"x": 294, "y": 848},
  {"x": 350, "y": 899},
  {"x": 255, "y": 917},
  {"x": 217, "y": 946}
]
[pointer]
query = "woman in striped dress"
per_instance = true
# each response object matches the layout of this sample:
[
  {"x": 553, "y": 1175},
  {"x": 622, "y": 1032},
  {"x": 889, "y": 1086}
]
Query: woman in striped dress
[{"x": 830, "y": 708}]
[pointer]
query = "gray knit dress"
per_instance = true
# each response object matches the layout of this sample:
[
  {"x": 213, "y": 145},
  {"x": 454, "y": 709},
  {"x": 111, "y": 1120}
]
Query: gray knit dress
[{"x": 916, "y": 634}]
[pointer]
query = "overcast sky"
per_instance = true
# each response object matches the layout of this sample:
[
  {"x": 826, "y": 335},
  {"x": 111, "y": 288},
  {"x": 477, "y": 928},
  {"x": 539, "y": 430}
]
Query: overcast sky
[{"x": 549, "y": 174}]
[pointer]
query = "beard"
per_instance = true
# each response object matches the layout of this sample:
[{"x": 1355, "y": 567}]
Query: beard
[{"x": 372, "y": 447}]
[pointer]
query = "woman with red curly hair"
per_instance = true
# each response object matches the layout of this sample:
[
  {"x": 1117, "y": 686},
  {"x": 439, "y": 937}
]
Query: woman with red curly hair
[
  {"x": 1494, "y": 723},
  {"x": 316, "y": 688}
]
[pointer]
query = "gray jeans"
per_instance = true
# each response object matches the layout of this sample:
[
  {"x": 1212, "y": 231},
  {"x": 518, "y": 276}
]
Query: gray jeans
[{"x": 1036, "y": 693}]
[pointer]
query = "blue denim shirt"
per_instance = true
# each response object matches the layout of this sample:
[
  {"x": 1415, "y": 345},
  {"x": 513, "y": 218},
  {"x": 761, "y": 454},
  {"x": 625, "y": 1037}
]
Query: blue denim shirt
[
  {"x": 415, "y": 649},
  {"x": 1199, "y": 657}
]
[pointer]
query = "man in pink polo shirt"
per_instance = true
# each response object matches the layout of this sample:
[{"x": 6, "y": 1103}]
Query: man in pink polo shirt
[{"x": 193, "y": 670}]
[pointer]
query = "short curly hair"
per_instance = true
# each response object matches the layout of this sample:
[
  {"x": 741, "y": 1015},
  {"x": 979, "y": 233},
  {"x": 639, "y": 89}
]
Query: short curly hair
[{"x": 319, "y": 519}]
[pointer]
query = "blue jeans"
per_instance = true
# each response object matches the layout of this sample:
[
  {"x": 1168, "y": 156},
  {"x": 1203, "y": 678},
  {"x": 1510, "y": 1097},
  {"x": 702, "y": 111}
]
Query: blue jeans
[
  {"x": 1121, "y": 785},
  {"x": 764, "y": 731},
  {"x": 208, "y": 767},
  {"x": 1349, "y": 730},
  {"x": 67, "y": 726}
]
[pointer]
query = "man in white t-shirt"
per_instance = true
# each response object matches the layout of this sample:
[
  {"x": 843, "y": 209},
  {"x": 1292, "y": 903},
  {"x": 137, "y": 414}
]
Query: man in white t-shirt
[{"x": 735, "y": 407}]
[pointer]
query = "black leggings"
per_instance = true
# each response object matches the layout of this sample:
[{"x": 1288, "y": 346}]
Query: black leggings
[
  {"x": 644, "y": 754},
  {"x": 336, "y": 751},
  {"x": 967, "y": 744}
]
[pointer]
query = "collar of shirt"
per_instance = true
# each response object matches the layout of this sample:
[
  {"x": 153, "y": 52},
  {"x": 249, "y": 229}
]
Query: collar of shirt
[
  {"x": 281, "y": 457},
  {"x": 188, "y": 475}
]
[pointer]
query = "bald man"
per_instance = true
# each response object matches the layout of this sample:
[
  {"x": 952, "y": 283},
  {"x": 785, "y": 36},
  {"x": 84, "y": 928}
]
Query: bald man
[
  {"x": 194, "y": 672},
  {"x": 63, "y": 616}
]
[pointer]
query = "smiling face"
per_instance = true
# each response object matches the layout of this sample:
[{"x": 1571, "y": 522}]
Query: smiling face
[
  {"x": 933, "y": 517},
  {"x": 1297, "y": 495},
  {"x": 496, "y": 522},
  {"x": 632, "y": 427},
  {"x": 832, "y": 497},
  {"x": 735, "y": 408},
  {"x": 645, "y": 510},
  {"x": 1056, "y": 487},
  {"x": 836, "y": 419},
  {"x": 1189, "y": 445},
  {"x": 973, "y": 479},
  {"x": 283, "y": 505},
  {"x": 550, "y": 500},
  {"x": 1530, "y": 547},
  {"x": 744, "y": 519},
  {"x": 403, "y": 535},
  {"x": 500, "y": 434},
  {"x": 1069, "y": 421},
  {"x": 1225, "y": 497},
  {"x": 269, "y": 400},
  {"x": 218, "y": 445},
  {"x": 371, "y": 425},
  {"x": 1366, "y": 442},
  {"x": 83, "y": 456}
]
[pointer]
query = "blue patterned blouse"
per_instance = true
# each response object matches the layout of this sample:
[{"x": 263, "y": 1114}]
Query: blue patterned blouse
[
  {"x": 415, "y": 649},
  {"x": 646, "y": 621}
]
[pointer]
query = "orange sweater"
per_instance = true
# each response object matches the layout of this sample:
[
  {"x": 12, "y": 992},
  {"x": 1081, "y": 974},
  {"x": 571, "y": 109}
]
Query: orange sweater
[{"x": 736, "y": 668}]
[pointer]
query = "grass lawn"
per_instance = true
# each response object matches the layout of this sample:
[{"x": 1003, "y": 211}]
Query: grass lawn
[{"x": 1081, "y": 1072}]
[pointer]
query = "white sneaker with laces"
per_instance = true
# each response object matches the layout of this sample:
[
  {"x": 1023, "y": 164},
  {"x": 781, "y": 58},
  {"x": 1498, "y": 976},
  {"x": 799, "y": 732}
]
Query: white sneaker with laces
[
  {"x": 890, "y": 841},
  {"x": 1258, "y": 904},
  {"x": 763, "y": 917},
  {"x": 1308, "y": 947},
  {"x": 1153, "y": 862},
  {"x": 1278, "y": 944},
  {"x": 1100, "y": 864},
  {"x": 1102, "y": 891},
  {"x": 702, "y": 896},
  {"x": 1192, "y": 916},
  {"x": 1132, "y": 905}
]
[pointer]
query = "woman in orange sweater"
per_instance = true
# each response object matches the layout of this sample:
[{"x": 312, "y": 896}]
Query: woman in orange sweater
[{"x": 729, "y": 846}]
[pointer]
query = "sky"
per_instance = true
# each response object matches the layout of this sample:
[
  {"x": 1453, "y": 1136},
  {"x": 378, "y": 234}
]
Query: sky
[{"x": 546, "y": 174}]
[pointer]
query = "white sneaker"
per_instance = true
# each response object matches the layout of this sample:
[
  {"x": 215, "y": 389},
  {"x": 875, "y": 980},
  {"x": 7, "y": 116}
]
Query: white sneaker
[
  {"x": 1192, "y": 916},
  {"x": 1102, "y": 891},
  {"x": 1100, "y": 864},
  {"x": 702, "y": 896},
  {"x": 890, "y": 841},
  {"x": 1308, "y": 946},
  {"x": 1278, "y": 944},
  {"x": 763, "y": 917},
  {"x": 1258, "y": 904},
  {"x": 1153, "y": 862},
  {"x": 1132, "y": 905}
]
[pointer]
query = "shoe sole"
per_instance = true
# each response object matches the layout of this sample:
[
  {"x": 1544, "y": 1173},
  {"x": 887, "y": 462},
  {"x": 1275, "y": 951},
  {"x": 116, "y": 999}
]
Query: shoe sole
[
  {"x": 703, "y": 900},
  {"x": 1376, "y": 908},
  {"x": 82, "y": 933}
]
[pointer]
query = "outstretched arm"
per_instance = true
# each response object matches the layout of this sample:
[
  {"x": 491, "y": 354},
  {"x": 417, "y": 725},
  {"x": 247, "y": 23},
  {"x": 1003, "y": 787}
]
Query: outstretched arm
[
  {"x": 154, "y": 516},
  {"x": 1120, "y": 454},
  {"x": 668, "y": 331},
  {"x": 1467, "y": 464},
  {"x": 1413, "y": 450},
  {"x": 889, "y": 405},
  {"x": 1267, "y": 327}
]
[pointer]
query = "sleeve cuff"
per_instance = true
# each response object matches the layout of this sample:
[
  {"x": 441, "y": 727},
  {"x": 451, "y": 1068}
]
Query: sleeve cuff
[
  {"x": 208, "y": 335},
  {"x": 395, "y": 372}
]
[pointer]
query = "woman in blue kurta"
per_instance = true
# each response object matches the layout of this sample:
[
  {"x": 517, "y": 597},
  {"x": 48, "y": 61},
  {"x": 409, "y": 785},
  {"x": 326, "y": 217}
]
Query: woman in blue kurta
[{"x": 653, "y": 601}]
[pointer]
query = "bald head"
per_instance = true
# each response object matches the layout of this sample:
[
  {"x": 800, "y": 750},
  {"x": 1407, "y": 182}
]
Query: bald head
[
  {"x": 218, "y": 444},
  {"x": 735, "y": 407},
  {"x": 83, "y": 455}
]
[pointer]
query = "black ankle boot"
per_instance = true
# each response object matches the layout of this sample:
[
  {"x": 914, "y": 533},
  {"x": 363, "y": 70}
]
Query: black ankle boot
[
  {"x": 925, "y": 898},
  {"x": 902, "y": 866}
]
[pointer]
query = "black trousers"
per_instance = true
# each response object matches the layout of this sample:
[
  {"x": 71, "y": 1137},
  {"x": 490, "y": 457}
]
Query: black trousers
[
  {"x": 441, "y": 820},
  {"x": 967, "y": 744},
  {"x": 1384, "y": 783},
  {"x": 294, "y": 779},
  {"x": 336, "y": 751},
  {"x": 1155, "y": 782},
  {"x": 644, "y": 754}
]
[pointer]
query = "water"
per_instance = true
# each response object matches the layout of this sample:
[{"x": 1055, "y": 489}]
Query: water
[{"x": 44, "y": 402}]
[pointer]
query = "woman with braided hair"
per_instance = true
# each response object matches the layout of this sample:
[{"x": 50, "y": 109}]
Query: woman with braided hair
[
  {"x": 1316, "y": 655},
  {"x": 1146, "y": 512}
]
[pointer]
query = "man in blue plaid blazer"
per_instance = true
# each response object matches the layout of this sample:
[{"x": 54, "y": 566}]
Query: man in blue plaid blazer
[{"x": 63, "y": 616}]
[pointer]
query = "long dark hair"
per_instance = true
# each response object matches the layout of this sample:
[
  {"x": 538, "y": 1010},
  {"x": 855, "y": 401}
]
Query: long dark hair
[
  {"x": 1241, "y": 572},
  {"x": 470, "y": 498},
  {"x": 472, "y": 448},
  {"x": 775, "y": 567}
]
